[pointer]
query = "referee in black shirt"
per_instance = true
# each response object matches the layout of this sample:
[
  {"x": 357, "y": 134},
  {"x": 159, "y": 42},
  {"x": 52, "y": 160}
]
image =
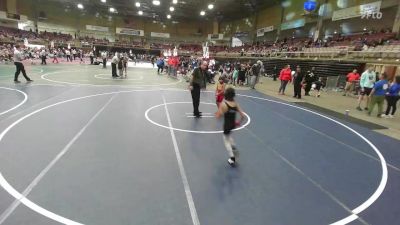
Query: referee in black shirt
[{"x": 197, "y": 82}]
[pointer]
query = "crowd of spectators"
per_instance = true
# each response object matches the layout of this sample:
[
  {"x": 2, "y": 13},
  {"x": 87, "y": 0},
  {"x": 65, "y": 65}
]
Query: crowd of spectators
[
  {"x": 355, "y": 42},
  {"x": 13, "y": 35}
]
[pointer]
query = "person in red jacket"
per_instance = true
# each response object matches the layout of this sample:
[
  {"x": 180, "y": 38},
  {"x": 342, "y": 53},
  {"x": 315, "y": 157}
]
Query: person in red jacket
[
  {"x": 351, "y": 79},
  {"x": 175, "y": 66},
  {"x": 285, "y": 76}
]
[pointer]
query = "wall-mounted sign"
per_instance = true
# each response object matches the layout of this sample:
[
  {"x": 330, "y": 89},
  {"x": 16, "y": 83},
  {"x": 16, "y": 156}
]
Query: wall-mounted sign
[
  {"x": 128, "y": 31},
  {"x": 160, "y": 35},
  {"x": 241, "y": 34},
  {"x": 215, "y": 36},
  {"x": 261, "y": 31},
  {"x": 293, "y": 24},
  {"x": 97, "y": 28},
  {"x": 356, "y": 11}
]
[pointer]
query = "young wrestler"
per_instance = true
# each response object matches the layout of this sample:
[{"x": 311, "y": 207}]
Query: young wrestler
[{"x": 228, "y": 110}]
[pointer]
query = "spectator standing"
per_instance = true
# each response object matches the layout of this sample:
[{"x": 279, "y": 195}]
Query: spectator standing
[
  {"x": 235, "y": 76},
  {"x": 309, "y": 79},
  {"x": 242, "y": 75},
  {"x": 104, "y": 57},
  {"x": 377, "y": 94},
  {"x": 392, "y": 96},
  {"x": 285, "y": 77},
  {"x": 275, "y": 73},
  {"x": 298, "y": 78},
  {"x": 91, "y": 56},
  {"x": 368, "y": 78},
  {"x": 68, "y": 54},
  {"x": 160, "y": 65},
  {"x": 74, "y": 53}
]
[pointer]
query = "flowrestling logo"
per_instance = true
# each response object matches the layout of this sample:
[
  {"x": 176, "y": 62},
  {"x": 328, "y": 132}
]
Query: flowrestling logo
[{"x": 371, "y": 15}]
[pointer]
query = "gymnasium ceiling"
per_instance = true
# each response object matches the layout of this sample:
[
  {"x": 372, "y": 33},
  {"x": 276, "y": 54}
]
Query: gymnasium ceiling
[{"x": 184, "y": 10}]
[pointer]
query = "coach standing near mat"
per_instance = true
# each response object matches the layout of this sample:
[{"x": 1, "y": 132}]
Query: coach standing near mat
[
  {"x": 19, "y": 66},
  {"x": 197, "y": 82}
]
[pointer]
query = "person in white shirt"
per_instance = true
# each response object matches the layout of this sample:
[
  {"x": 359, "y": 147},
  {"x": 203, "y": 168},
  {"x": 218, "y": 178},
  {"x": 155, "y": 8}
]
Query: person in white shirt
[
  {"x": 114, "y": 63},
  {"x": 74, "y": 53},
  {"x": 81, "y": 55},
  {"x": 68, "y": 54},
  {"x": 19, "y": 66},
  {"x": 43, "y": 57},
  {"x": 55, "y": 56},
  {"x": 104, "y": 57},
  {"x": 91, "y": 56},
  {"x": 367, "y": 81},
  {"x": 125, "y": 64}
]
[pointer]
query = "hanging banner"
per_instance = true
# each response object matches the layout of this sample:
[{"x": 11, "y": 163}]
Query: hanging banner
[
  {"x": 128, "y": 31},
  {"x": 356, "y": 11},
  {"x": 215, "y": 36},
  {"x": 293, "y": 24},
  {"x": 52, "y": 44},
  {"x": 241, "y": 34},
  {"x": 236, "y": 42},
  {"x": 97, "y": 28},
  {"x": 160, "y": 35},
  {"x": 261, "y": 31}
]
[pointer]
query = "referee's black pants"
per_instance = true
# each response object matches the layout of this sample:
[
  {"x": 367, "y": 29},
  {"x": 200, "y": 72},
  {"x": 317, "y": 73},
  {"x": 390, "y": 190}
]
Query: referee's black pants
[
  {"x": 114, "y": 70},
  {"x": 196, "y": 99},
  {"x": 20, "y": 68},
  {"x": 104, "y": 63}
]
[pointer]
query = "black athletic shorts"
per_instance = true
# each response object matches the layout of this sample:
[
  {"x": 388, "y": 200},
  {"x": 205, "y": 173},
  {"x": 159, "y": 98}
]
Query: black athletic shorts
[
  {"x": 228, "y": 128},
  {"x": 366, "y": 91}
]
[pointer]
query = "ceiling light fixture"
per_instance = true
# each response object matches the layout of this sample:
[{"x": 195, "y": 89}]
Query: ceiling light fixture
[
  {"x": 112, "y": 9},
  {"x": 168, "y": 16},
  {"x": 103, "y": 1},
  {"x": 210, "y": 6},
  {"x": 137, "y": 4},
  {"x": 174, "y": 1},
  {"x": 140, "y": 12},
  {"x": 202, "y": 13},
  {"x": 156, "y": 2},
  {"x": 80, "y": 6},
  {"x": 171, "y": 9}
]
